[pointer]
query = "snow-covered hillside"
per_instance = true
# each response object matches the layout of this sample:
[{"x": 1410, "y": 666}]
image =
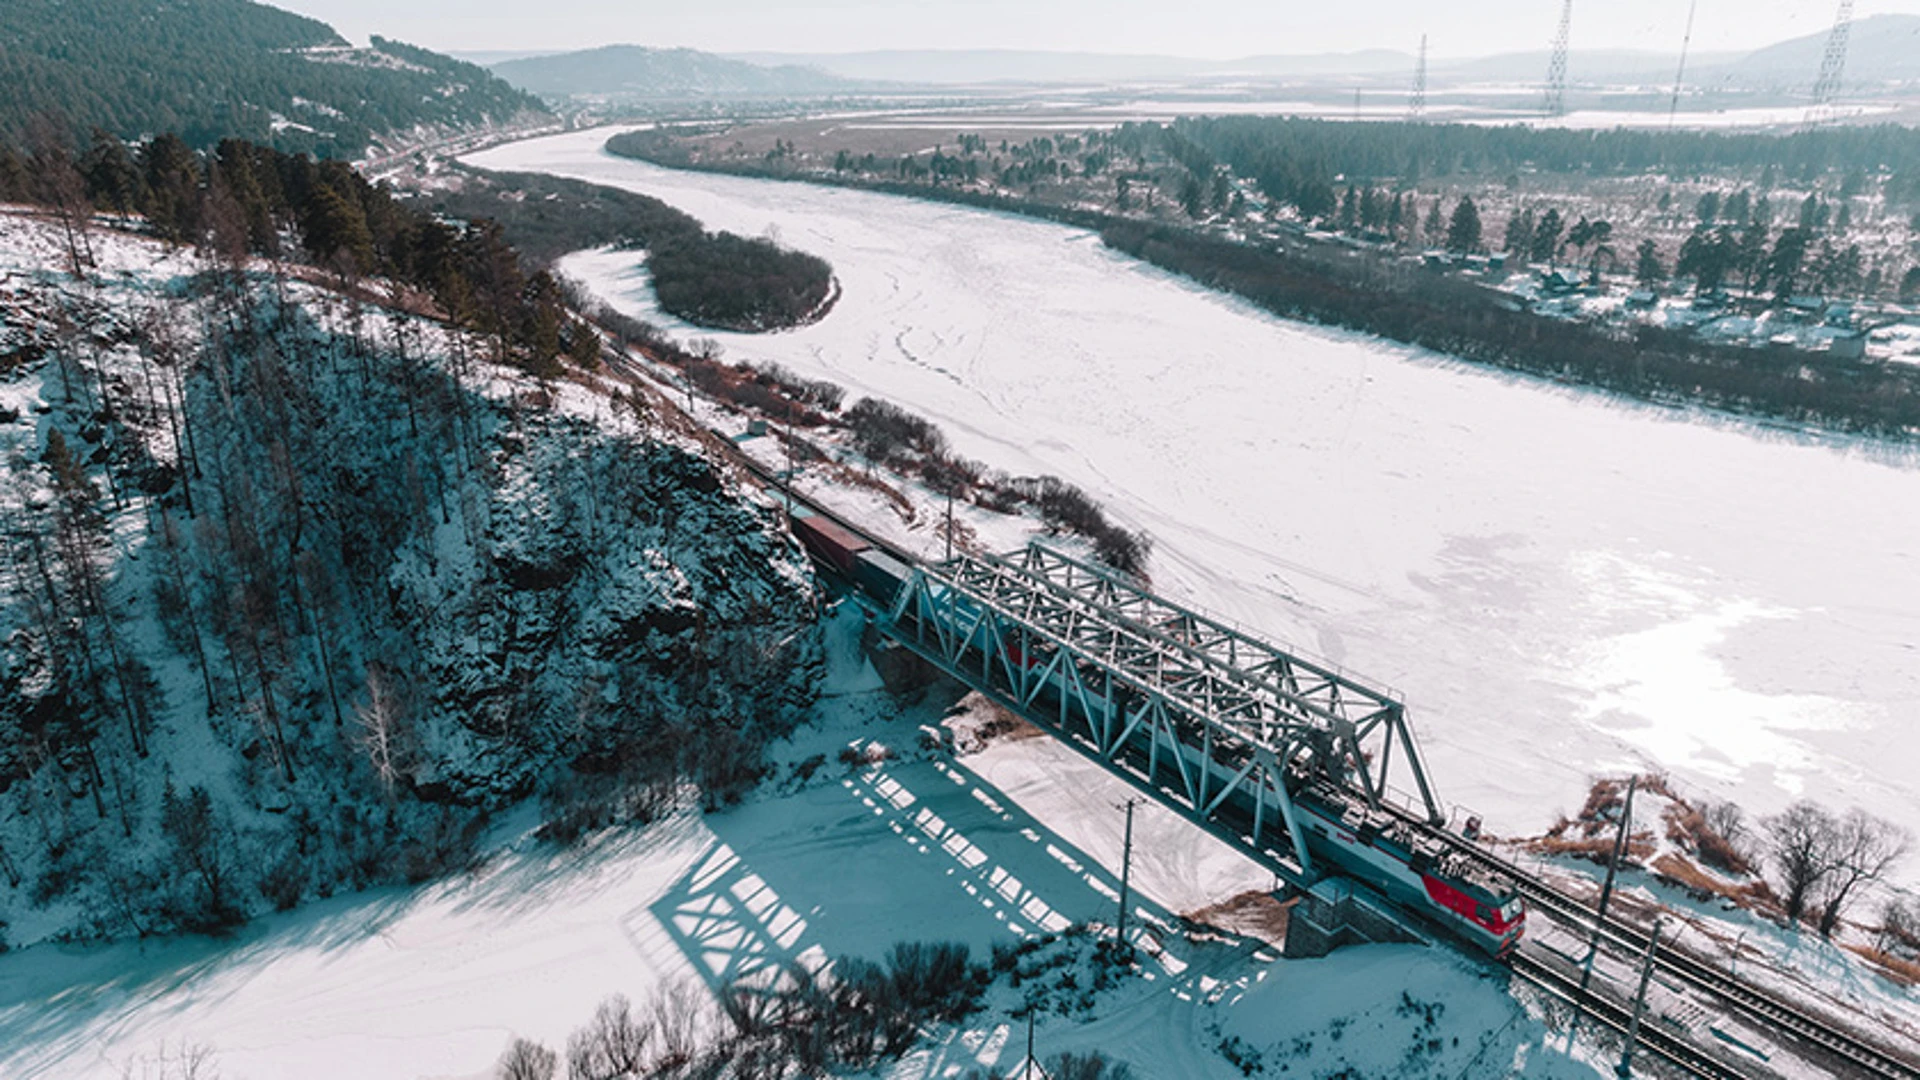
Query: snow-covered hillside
[{"x": 300, "y": 590}]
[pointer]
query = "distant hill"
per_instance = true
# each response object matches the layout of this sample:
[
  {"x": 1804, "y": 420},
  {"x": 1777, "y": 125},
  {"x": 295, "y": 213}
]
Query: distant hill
[
  {"x": 635, "y": 71},
  {"x": 977, "y": 66},
  {"x": 210, "y": 69},
  {"x": 1882, "y": 48},
  {"x": 1591, "y": 65}
]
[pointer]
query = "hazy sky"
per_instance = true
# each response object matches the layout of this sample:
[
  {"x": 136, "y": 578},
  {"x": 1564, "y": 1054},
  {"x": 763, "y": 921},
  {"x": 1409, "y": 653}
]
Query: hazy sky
[{"x": 1204, "y": 28}]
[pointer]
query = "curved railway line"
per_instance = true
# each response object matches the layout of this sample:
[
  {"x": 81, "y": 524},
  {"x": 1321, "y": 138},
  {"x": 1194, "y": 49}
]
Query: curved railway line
[{"x": 1859, "y": 1056}]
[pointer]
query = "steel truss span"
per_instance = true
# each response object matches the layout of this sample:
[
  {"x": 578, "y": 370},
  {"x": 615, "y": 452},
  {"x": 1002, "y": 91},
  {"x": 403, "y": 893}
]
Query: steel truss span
[{"x": 1220, "y": 724}]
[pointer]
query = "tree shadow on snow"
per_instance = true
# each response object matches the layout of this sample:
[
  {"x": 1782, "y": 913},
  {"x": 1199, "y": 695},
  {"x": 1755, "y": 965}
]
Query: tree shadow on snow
[{"x": 56, "y": 1001}]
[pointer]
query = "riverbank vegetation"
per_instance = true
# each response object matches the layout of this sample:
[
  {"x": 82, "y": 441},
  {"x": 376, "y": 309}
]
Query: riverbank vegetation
[
  {"x": 1324, "y": 222},
  {"x": 1806, "y": 865},
  {"x": 716, "y": 280},
  {"x": 884, "y": 435}
]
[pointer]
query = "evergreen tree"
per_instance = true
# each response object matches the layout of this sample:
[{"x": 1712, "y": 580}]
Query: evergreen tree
[
  {"x": 1788, "y": 259},
  {"x": 1463, "y": 232},
  {"x": 113, "y": 181},
  {"x": 1648, "y": 270},
  {"x": 1546, "y": 238}
]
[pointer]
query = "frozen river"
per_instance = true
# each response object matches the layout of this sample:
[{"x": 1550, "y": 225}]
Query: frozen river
[{"x": 1557, "y": 582}]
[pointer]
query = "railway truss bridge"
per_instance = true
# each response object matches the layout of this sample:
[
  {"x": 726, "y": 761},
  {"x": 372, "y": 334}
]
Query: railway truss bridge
[
  {"x": 1228, "y": 731},
  {"x": 1210, "y": 721}
]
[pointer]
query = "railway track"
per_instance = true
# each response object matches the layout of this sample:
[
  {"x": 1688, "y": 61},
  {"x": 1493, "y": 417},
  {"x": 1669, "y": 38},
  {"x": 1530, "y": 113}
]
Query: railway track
[
  {"x": 1755, "y": 1004},
  {"x": 1674, "y": 1049}
]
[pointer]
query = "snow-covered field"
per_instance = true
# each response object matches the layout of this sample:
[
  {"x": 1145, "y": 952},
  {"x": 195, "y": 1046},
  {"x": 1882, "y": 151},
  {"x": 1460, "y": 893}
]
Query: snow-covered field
[{"x": 1558, "y": 582}]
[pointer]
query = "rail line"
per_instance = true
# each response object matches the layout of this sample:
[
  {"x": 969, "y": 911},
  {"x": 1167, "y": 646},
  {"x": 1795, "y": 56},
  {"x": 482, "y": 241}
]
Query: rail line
[
  {"x": 1753, "y": 1003},
  {"x": 1675, "y": 1049}
]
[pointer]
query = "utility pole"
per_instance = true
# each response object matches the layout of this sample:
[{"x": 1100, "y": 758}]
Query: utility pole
[
  {"x": 1606, "y": 894},
  {"x": 788, "y": 483},
  {"x": 1613, "y": 864},
  {"x": 1031, "y": 1010},
  {"x": 949, "y": 521},
  {"x": 1126, "y": 866},
  {"x": 1625, "y": 1068}
]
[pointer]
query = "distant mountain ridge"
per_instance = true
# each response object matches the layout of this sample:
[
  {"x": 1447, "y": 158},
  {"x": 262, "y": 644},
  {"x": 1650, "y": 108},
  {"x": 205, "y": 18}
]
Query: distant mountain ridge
[
  {"x": 213, "y": 69},
  {"x": 962, "y": 66},
  {"x": 638, "y": 71},
  {"x": 1880, "y": 48},
  {"x": 1883, "y": 48}
]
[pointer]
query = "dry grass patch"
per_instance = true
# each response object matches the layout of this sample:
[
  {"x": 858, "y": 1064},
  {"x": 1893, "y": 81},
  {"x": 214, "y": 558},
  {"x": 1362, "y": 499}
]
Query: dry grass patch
[
  {"x": 1250, "y": 914},
  {"x": 1900, "y": 970}
]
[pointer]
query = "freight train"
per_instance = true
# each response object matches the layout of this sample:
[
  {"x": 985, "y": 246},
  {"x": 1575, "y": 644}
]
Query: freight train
[{"x": 1389, "y": 851}]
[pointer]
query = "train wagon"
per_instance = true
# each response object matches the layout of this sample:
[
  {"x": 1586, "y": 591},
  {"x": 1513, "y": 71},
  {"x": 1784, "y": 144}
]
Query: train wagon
[{"x": 827, "y": 540}]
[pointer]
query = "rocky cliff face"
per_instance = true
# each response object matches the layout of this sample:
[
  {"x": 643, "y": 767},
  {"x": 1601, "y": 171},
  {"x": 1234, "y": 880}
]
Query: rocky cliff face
[{"x": 299, "y": 590}]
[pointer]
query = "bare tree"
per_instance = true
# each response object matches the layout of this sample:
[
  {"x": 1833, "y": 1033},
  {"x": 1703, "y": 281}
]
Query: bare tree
[
  {"x": 1800, "y": 844},
  {"x": 191, "y": 1061},
  {"x": 1899, "y": 925},
  {"x": 613, "y": 1045},
  {"x": 1729, "y": 821},
  {"x": 676, "y": 1010},
  {"x": 62, "y": 189},
  {"x": 527, "y": 1060},
  {"x": 1865, "y": 848},
  {"x": 382, "y": 721}
]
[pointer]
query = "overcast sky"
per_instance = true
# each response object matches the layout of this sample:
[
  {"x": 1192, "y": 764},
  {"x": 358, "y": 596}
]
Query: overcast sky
[{"x": 1202, "y": 28}]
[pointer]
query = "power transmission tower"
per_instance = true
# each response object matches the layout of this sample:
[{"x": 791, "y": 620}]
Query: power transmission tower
[
  {"x": 1557, "y": 65},
  {"x": 1679, "y": 76},
  {"x": 1832, "y": 66},
  {"x": 1417, "y": 103}
]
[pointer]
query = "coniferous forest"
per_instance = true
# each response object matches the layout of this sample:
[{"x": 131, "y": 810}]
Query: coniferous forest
[
  {"x": 214, "y": 69},
  {"x": 318, "y": 553},
  {"x": 717, "y": 280}
]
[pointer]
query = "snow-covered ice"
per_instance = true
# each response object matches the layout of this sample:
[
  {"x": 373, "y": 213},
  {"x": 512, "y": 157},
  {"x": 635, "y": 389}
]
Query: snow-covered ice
[{"x": 1559, "y": 582}]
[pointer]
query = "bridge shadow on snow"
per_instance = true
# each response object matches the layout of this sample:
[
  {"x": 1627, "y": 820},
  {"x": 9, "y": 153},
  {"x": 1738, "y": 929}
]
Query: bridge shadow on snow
[{"x": 924, "y": 851}]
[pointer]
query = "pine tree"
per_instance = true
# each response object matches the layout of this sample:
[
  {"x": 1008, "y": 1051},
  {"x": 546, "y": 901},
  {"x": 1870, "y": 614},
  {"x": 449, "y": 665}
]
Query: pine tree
[
  {"x": 1463, "y": 232},
  {"x": 1647, "y": 267}
]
